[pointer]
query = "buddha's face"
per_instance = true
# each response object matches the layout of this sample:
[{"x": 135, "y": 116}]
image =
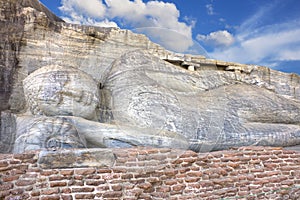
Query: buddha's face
[{"x": 64, "y": 91}]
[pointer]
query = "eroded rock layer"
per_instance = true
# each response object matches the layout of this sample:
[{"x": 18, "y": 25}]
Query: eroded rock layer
[{"x": 131, "y": 91}]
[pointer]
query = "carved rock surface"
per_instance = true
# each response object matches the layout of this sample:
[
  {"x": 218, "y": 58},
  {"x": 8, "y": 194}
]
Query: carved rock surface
[
  {"x": 55, "y": 90},
  {"x": 210, "y": 110},
  {"x": 217, "y": 105},
  {"x": 46, "y": 133}
]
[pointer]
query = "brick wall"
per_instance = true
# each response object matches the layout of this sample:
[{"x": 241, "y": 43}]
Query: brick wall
[{"x": 147, "y": 173}]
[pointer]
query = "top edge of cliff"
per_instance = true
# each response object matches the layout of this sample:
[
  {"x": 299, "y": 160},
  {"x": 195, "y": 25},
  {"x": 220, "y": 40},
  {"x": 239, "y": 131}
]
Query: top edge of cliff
[{"x": 167, "y": 55}]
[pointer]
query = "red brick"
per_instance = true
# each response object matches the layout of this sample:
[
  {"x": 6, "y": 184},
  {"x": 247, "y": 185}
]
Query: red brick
[
  {"x": 194, "y": 185},
  {"x": 75, "y": 183},
  {"x": 255, "y": 162},
  {"x": 145, "y": 186},
  {"x": 4, "y": 194},
  {"x": 295, "y": 155},
  {"x": 290, "y": 160},
  {"x": 83, "y": 189},
  {"x": 25, "y": 182},
  {"x": 288, "y": 182},
  {"x": 95, "y": 182},
  {"x": 177, "y": 161},
  {"x": 282, "y": 164},
  {"x": 35, "y": 193},
  {"x": 84, "y": 196},
  {"x": 58, "y": 184},
  {"x": 85, "y": 171},
  {"x": 104, "y": 170},
  {"x": 29, "y": 176},
  {"x": 270, "y": 165},
  {"x": 261, "y": 181},
  {"x": 289, "y": 168},
  {"x": 66, "y": 197},
  {"x": 163, "y": 189},
  {"x": 188, "y": 154},
  {"x": 41, "y": 185},
  {"x": 273, "y": 173},
  {"x": 274, "y": 180},
  {"x": 56, "y": 178},
  {"x": 243, "y": 193},
  {"x": 233, "y": 165},
  {"x": 17, "y": 172},
  {"x": 170, "y": 173},
  {"x": 142, "y": 175},
  {"x": 93, "y": 176},
  {"x": 206, "y": 183},
  {"x": 186, "y": 164},
  {"x": 119, "y": 170},
  {"x": 50, "y": 191},
  {"x": 264, "y": 157},
  {"x": 179, "y": 187},
  {"x": 66, "y": 190},
  {"x": 257, "y": 170},
  {"x": 67, "y": 172},
  {"x": 103, "y": 188},
  {"x": 78, "y": 177},
  {"x": 171, "y": 182},
  {"x": 190, "y": 160},
  {"x": 117, "y": 187},
  {"x": 14, "y": 162},
  {"x": 194, "y": 174},
  {"x": 242, "y": 183},
  {"x": 50, "y": 197},
  {"x": 10, "y": 178},
  {"x": 192, "y": 179},
  {"x": 17, "y": 191},
  {"x": 289, "y": 152},
  {"x": 231, "y": 159},
  {"x": 3, "y": 164},
  {"x": 157, "y": 157},
  {"x": 153, "y": 180},
  {"x": 160, "y": 195},
  {"x": 114, "y": 194},
  {"x": 49, "y": 172},
  {"x": 250, "y": 177},
  {"x": 24, "y": 156}
]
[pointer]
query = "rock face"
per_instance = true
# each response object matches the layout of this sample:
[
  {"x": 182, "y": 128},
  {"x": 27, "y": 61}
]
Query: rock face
[
  {"x": 106, "y": 87},
  {"x": 56, "y": 90}
]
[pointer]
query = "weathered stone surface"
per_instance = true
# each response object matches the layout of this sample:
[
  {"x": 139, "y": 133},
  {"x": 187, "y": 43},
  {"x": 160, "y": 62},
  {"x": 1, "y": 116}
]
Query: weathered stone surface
[
  {"x": 78, "y": 158},
  {"x": 123, "y": 135},
  {"x": 210, "y": 110},
  {"x": 147, "y": 95},
  {"x": 50, "y": 133},
  {"x": 56, "y": 90}
]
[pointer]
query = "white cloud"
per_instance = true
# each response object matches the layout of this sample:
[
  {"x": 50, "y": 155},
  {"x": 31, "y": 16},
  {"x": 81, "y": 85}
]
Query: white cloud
[
  {"x": 259, "y": 43},
  {"x": 218, "y": 39},
  {"x": 210, "y": 9},
  {"x": 90, "y": 8},
  {"x": 268, "y": 44},
  {"x": 135, "y": 14}
]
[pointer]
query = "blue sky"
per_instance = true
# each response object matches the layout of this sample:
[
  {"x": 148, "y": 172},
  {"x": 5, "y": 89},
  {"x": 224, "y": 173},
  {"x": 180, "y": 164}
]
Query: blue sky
[{"x": 262, "y": 32}]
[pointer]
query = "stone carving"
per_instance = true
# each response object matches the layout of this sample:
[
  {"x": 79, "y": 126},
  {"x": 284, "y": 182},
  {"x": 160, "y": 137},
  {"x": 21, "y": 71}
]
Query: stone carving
[
  {"x": 60, "y": 93},
  {"x": 149, "y": 110},
  {"x": 50, "y": 133},
  {"x": 56, "y": 90},
  {"x": 105, "y": 87},
  {"x": 147, "y": 91}
]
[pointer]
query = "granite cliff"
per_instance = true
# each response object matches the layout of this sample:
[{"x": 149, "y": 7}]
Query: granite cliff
[{"x": 139, "y": 93}]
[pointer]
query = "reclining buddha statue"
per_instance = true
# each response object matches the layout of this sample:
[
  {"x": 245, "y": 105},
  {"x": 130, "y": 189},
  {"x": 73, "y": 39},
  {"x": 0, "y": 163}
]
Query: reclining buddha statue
[{"x": 146, "y": 101}]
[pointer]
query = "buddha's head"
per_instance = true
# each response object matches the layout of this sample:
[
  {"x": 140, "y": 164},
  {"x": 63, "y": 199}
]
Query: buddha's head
[{"x": 61, "y": 91}]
